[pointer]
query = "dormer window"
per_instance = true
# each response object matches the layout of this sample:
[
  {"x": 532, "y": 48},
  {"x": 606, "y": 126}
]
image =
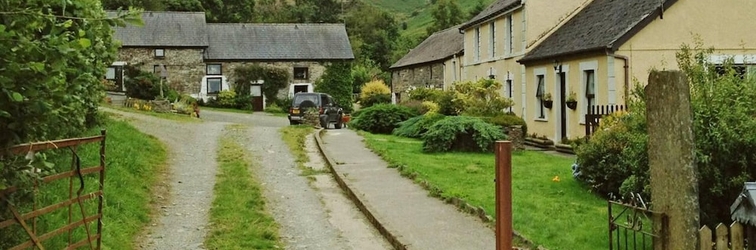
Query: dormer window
[{"x": 159, "y": 53}]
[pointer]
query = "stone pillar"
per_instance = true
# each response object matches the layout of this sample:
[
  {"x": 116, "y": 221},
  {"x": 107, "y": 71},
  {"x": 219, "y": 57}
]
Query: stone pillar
[
  {"x": 515, "y": 136},
  {"x": 674, "y": 174}
]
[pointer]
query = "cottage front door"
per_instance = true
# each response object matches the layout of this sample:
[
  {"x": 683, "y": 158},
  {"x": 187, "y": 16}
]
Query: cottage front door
[{"x": 257, "y": 97}]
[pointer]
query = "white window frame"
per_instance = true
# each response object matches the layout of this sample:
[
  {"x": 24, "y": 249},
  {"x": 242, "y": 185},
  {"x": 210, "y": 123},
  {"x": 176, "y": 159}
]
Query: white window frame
[
  {"x": 492, "y": 39},
  {"x": 540, "y": 73},
  {"x": 510, "y": 34},
  {"x": 582, "y": 96},
  {"x": 207, "y": 85},
  {"x": 477, "y": 44},
  {"x": 159, "y": 53}
]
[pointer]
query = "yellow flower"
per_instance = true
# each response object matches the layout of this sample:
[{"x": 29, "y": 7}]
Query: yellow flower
[{"x": 555, "y": 179}]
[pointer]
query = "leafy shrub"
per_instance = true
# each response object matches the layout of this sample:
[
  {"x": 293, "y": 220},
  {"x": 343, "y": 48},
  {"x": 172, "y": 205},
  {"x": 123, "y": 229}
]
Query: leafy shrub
[
  {"x": 481, "y": 98},
  {"x": 507, "y": 120},
  {"x": 337, "y": 81},
  {"x": 429, "y": 107},
  {"x": 142, "y": 84},
  {"x": 243, "y": 102},
  {"x": 375, "y": 92},
  {"x": 275, "y": 79},
  {"x": 415, "y": 127},
  {"x": 381, "y": 118},
  {"x": 284, "y": 103},
  {"x": 424, "y": 94},
  {"x": 461, "y": 133},
  {"x": 171, "y": 94},
  {"x": 415, "y": 105},
  {"x": 273, "y": 108},
  {"x": 227, "y": 99}
]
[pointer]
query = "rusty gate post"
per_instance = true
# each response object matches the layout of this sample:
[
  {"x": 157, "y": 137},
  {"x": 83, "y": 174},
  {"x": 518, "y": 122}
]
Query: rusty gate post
[{"x": 504, "y": 230}]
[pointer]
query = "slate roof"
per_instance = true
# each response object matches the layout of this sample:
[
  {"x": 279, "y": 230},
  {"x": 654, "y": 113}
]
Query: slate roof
[
  {"x": 165, "y": 29},
  {"x": 265, "y": 41},
  {"x": 602, "y": 25},
  {"x": 439, "y": 46},
  {"x": 496, "y": 8}
]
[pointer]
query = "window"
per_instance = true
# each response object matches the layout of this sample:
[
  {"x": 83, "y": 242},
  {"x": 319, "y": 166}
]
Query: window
[
  {"x": 159, "y": 53},
  {"x": 540, "y": 91},
  {"x": 510, "y": 33},
  {"x": 510, "y": 92},
  {"x": 214, "y": 85},
  {"x": 743, "y": 71},
  {"x": 590, "y": 88},
  {"x": 300, "y": 73},
  {"x": 454, "y": 69},
  {"x": 492, "y": 41},
  {"x": 214, "y": 69},
  {"x": 111, "y": 73},
  {"x": 477, "y": 44}
]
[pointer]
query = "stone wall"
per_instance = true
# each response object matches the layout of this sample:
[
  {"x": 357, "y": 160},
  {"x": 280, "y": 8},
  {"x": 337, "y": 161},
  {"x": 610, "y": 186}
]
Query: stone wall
[
  {"x": 185, "y": 66},
  {"x": 420, "y": 76}
]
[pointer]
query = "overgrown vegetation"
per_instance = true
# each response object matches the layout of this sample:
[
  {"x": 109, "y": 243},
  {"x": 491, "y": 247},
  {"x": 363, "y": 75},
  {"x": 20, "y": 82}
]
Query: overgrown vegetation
[
  {"x": 375, "y": 92},
  {"x": 337, "y": 81},
  {"x": 275, "y": 79},
  {"x": 461, "y": 133},
  {"x": 724, "y": 106},
  {"x": 381, "y": 118},
  {"x": 238, "y": 216},
  {"x": 131, "y": 175},
  {"x": 416, "y": 127}
]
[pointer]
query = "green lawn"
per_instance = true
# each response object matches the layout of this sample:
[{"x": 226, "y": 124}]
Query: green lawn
[
  {"x": 133, "y": 163},
  {"x": 556, "y": 214},
  {"x": 294, "y": 137},
  {"x": 238, "y": 216}
]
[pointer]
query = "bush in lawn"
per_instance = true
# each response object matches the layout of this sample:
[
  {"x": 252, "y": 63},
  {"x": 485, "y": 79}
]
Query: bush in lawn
[
  {"x": 284, "y": 103},
  {"x": 507, "y": 120},
  {"x": 481, "y": 98},
  {"x": 273, "y": 108},
  {"x": 375, "y": 92},
  {"x": 461, "y": 133},
  {"x": 415, "y": 105},
  {"x": 416, "y": 126},
  {"x": 382, "y": 118},
  {"x": 424, "y": 94}
]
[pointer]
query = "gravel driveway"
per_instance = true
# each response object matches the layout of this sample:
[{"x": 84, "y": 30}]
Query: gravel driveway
[{"x": 305, "y": 216}]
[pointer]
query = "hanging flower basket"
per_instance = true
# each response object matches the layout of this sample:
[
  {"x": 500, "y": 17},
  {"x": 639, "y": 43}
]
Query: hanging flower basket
[
  {"x": 571, "y": 104},
  {"x": 548, "y": 104}
]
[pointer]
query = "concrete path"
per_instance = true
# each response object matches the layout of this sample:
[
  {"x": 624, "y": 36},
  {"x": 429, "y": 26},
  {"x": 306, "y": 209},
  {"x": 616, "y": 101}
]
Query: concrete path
[{"x": 402, "y": 207}]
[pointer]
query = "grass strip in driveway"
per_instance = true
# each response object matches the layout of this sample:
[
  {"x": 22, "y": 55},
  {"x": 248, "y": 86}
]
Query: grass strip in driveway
[
  {"x": 238, "y": 216},
  {"x": 295, "y": 137},
  {"x": 558, "y": 214}
]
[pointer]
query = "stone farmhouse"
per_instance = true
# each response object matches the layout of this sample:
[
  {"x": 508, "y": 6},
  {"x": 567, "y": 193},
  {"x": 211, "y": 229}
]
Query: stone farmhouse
[
  {"x": 435, "y": 63},
  {"x": 594, "y": 50},
  {"x": 197, "y": 58}
]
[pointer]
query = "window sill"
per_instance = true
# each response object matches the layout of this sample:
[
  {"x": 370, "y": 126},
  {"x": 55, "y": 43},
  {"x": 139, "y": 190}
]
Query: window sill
[
  {"x": 214, "y": 74},
  {"x": 541, "y": 119}
]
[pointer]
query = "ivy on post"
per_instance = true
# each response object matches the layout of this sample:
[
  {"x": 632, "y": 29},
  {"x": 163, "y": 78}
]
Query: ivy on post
[{"x": 671, "y": 152}]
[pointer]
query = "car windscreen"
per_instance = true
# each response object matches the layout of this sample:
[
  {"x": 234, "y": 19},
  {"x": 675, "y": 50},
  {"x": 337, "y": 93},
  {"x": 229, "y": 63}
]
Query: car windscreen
[{"x": 300, "y": 98}]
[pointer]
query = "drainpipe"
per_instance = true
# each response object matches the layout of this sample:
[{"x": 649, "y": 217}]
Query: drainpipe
[{"x": 627, "y": 75}]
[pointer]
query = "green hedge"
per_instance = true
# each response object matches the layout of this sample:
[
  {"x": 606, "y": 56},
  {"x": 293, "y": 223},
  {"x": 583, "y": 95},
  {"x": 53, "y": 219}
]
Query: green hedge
[
  {"x": 381, "y": 118},
  {"x": 461, "y": 133}
]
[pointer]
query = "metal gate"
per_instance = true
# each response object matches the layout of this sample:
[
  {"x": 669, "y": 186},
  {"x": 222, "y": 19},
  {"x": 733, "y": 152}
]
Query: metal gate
[
  {"x": 631, "y": 224},
  {"x": 77, "y": 196}
]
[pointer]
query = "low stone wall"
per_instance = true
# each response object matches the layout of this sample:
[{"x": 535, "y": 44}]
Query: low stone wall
[{"x": 516, "y": 136}]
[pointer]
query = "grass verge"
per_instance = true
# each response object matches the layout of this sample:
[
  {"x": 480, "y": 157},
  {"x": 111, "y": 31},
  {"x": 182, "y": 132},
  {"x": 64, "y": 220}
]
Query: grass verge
[
  {"x": 238, "y": 216},
  {"x": 133, "y": 161},
  {"x": 295, "y": 137},
  {"x": 556, "y": 214},
  {"x": 225, "y": 110},
  {"x": 169, "y": 116}
]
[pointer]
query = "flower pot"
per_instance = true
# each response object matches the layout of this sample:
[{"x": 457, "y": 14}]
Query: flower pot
[
  {"x": 571, "y": 104},
  {"x": 548, "y": 104}
]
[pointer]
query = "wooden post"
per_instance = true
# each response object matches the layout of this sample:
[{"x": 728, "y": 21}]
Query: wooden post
[
  {"x": 674, "y": 175},
  {"x": 504, "y": 230}
]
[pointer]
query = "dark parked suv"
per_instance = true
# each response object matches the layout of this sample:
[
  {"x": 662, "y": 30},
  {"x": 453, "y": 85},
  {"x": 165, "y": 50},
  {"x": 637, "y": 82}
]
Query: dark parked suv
[{"x": 330, "y": 112}]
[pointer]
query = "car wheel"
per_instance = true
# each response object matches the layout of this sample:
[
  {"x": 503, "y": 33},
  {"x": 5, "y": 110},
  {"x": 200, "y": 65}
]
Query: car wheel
[
  {"x": 339, "y": 123},
  {"x": 324, "y": 123},
  {"x": 292, "y": 122}
]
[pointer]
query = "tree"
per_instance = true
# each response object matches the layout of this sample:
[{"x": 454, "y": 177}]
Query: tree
[
  {"x": 184, "y": 5},
  {"x": 479, "y": 7},
  {"x": 445, "y": 13},
  {"x": 148, "y": 5},
  {"x": 337, "y": 81},
  {"x": 373, "y": 33},
  {"x": 229, "y": 11}
]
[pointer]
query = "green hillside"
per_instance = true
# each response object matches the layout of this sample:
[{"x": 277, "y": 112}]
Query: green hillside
[{"x": 416, "y": 13}]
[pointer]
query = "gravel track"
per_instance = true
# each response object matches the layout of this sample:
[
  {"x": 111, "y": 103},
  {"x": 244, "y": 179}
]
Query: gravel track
[{"x": 318, "y": 217}]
